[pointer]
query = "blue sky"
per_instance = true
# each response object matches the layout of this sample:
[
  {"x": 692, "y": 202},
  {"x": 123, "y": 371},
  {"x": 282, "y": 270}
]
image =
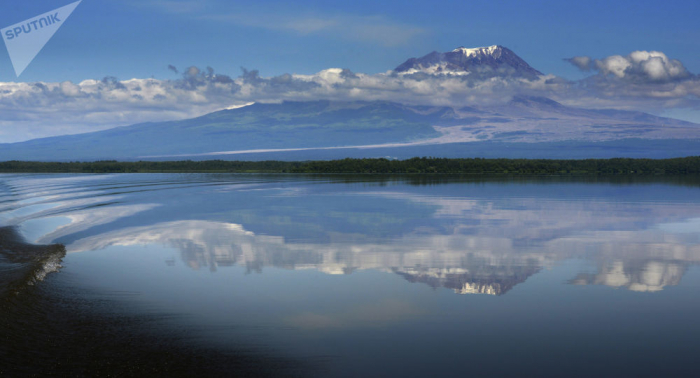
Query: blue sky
[
  {"x": 139, "y": 38},
  {"x": 85, "y": 70}
]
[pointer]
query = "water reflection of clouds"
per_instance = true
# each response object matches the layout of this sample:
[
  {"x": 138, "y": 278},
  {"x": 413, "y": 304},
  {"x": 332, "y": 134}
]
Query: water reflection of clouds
[
  {"x": 438, "y": 259},
  {"x": 687, "y": 226},
  {"x": 645, "y": 260},
  {"x": 530, "y": 214},
  {"x": 485, "y": 244},
  {"x": 85, "y": 219},
  {"x": 31, "y": 188},
  {"x": 640, "y": 260},
  {"x": 645, "y": 276},
  {"x": 51, "y": 205}
]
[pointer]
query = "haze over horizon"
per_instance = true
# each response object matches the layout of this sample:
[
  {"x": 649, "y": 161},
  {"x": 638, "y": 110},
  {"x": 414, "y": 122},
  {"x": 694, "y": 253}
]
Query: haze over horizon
[{"x": 121, "y": 63}]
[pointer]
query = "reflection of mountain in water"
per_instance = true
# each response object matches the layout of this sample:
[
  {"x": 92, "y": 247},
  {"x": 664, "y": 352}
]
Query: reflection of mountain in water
[
  {"x": 471, "y": 237},
  {"x": 464, "y": 263},
  {"x": 645, "y": 260},
  {"x": 493, "y": 280}
]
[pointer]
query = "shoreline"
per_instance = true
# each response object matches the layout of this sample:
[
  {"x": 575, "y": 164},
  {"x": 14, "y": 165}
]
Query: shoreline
[{"x": 686, "y": 166}]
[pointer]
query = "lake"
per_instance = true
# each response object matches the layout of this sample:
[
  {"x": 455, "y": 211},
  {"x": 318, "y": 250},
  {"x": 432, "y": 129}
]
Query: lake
[{"x": 347, "y": 276}]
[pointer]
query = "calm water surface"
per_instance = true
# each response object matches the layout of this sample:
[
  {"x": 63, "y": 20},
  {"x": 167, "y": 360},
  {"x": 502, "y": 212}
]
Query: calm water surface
[{"x": 254, "y": 275}]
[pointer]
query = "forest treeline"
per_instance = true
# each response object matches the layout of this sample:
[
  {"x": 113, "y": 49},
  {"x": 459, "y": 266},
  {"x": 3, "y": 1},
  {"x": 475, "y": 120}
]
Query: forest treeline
[{"x": 617, "y": 166}]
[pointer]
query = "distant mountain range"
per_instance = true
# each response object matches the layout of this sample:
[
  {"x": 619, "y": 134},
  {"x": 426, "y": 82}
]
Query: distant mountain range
[{"x": 524, "y": 127}]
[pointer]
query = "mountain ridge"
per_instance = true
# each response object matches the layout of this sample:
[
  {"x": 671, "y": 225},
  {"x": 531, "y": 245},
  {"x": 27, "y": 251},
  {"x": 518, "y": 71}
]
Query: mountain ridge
[{"x": 315, "y": 125}]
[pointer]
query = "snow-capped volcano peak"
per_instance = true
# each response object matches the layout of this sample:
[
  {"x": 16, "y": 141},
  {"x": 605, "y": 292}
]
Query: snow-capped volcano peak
[
  {"x": 484, "y": 62},
  {"x": 490, "y": 50}
]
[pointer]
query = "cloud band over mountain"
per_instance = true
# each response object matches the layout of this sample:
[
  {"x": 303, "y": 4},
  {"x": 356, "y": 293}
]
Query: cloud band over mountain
[{"x": 648, "y": 81}]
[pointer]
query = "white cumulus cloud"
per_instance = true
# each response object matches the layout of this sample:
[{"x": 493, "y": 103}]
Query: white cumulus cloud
[{"x": 639, "y": 66}]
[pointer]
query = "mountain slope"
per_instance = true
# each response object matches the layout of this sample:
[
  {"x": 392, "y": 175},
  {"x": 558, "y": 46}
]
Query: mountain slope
[
  {"x": 530, "y": 122},
  {"x": 258, "y": 126}
]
